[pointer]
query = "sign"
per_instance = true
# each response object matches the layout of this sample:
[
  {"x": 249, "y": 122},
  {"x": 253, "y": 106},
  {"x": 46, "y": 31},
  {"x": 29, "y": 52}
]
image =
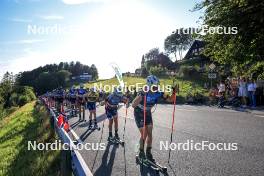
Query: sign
[
  {"x": 212, "y": 66},
  {"x": 212, "y": 75}
]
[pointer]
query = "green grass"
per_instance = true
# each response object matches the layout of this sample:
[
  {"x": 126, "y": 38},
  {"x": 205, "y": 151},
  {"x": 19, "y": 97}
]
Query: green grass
[
  {"x": 28, "y": 123},
  {"x": 186, "y": 85}
]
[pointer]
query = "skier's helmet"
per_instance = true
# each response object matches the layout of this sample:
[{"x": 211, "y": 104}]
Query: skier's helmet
[
  {"x": 152, "y": 80},
  {"x": 118, "y": 91}
]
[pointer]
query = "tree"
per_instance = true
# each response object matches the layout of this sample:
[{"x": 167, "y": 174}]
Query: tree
[
  {"x": 144, "y": 72},
  {"x": 94, "y": 72},
  {"x": 63, "y": 76},
  {"x": 177, "y": 42},
  {"x": 244, "y": 48},
  {"x": 152, "y": 54}
]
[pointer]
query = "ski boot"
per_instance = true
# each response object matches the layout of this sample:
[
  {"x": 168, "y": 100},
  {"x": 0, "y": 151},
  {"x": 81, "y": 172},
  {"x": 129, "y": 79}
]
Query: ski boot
[
  {"x": 110, "y": 137},
  {"x": 90, "y": 124},
  {"x": 141, "y": 154},
  {"x": 95, "y": 123},
  {"x": 141, "y": 158},
  {"x": 149, "y": 155},
  {"x": 117, "y": 136}
]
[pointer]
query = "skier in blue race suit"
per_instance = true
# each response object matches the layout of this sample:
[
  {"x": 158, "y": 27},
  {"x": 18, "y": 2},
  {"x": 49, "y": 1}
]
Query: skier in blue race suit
[
  {"x": 81, "y": 92},
  {"x": 152, "y": 95},
  {"x": 111, "y": 107}
]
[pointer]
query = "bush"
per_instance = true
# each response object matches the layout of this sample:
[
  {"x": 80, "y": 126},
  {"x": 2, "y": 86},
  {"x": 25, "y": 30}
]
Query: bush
[
  {"x": 23, "y": 99},
  {"x": 13, "y": 99},
  {"x": 158, "y": 71},
  {"x": 21, "y": 95},
  {"x": 188, "y": 71}
]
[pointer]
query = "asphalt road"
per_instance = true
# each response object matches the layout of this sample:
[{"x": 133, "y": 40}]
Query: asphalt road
[{"x": 197, "y": 123}]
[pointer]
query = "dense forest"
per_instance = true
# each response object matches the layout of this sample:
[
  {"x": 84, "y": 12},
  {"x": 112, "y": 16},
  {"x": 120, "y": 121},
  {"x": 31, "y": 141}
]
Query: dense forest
[
  {"x": 51, "y": 76},
  {"x": 17, "y": 90}
]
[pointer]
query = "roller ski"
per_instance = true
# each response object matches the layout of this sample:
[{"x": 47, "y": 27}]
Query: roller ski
[
  {"x": 141, "y": 159},
  {"x": 95, "y": 126},
  {"x": 115, "y": 140},
  {"x": 148, "y": 161}
]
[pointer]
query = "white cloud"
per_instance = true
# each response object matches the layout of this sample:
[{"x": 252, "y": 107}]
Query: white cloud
[
  {"x": 20, "y": 20},
  {"x": 26, "y": 41},
  {"x": 51, "y": 17},
  {"x": 74, "y": 2}
]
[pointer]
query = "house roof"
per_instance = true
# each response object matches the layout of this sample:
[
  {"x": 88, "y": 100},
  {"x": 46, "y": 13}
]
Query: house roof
[{"x": 195, "y": 45}]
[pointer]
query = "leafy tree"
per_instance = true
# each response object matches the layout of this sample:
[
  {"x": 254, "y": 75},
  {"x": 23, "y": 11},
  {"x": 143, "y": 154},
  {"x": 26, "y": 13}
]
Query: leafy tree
[
  {"x": 152, "y": 54},
  {"x": 155, "y": 58},
  {"x": 177, "y": 42},
  {"x": 46, "y": 81},
  {"x": 144, "y": 72},
  {"x": 63, "y": 76},
  {"x": 242, "y": 50}
]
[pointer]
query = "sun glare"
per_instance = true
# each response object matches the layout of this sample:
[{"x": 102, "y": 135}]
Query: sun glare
[{"x": 117, "y": 32}]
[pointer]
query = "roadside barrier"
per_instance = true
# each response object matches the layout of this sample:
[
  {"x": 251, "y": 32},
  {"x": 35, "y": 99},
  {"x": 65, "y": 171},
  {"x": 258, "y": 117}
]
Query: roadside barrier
[{"x": 72, "y": 161}]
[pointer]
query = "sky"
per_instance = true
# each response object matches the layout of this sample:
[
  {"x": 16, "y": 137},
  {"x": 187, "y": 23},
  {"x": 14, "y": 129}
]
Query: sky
[{"x": 34, "y": 33}]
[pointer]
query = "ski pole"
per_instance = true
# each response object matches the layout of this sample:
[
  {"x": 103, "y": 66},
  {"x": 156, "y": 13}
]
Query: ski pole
[
  {"x": 125, "y": 124},
  {"x": 124, "y": 139},
  {"x": 172, "y": 125},
  {"x": 144, "y": 126}
]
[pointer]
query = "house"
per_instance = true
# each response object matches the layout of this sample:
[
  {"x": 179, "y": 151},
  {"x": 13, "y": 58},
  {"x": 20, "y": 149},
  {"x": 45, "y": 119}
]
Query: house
[{"x": 195, "y": 54}]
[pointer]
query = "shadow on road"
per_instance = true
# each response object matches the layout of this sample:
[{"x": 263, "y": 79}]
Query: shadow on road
[
  {"x": 144, "y": 170},
  {"x": 105, "y": 169},
  {"x": 75, "y": 124},
  {"x": 86, "y": 134}
]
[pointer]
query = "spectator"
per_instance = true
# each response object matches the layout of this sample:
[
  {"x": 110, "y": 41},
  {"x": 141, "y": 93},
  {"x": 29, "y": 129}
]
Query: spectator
[
  {"x": 221, "y": 88},
  {"x": 251, "y": 87},
  {"x": 213, "y": 93},
  {"x": 242, "y": 92},
  {"x": 221, "y": 91}
]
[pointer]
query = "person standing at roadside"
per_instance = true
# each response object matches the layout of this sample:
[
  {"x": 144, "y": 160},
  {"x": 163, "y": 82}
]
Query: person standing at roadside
[
  {"x": 242, "y": 92},
  {"x": 251, "y": 87},
  {"x": 221, "y": 91}
]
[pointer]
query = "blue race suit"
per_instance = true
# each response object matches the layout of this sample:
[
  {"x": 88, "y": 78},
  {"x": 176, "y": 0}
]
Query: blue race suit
[
  {"x": 151, "y": 100},
  {"x": 81, "y": 92},
  {"x": 113, "y": 100},
  {"x": 72, "y": 95}
]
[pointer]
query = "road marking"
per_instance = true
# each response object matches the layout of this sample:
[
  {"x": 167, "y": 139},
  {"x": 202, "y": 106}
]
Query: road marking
[
  {"x": 75, "y": 136},
  {"x": 186, "y": 110},
  {"x": 259, "y": 115}
]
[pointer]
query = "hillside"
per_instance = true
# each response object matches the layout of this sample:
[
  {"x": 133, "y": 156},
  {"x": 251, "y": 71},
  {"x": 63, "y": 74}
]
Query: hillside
[{"x": 28, "y": 123}]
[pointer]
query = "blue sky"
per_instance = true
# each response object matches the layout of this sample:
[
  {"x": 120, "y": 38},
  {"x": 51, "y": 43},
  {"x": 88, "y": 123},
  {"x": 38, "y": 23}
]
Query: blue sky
[{"x": 39, "y": 32}]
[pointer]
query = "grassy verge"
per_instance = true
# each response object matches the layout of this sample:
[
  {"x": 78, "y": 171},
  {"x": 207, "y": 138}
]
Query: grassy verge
[
  {"x": 28, "y": 123},
  {"x": 185, "y": 85}
]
